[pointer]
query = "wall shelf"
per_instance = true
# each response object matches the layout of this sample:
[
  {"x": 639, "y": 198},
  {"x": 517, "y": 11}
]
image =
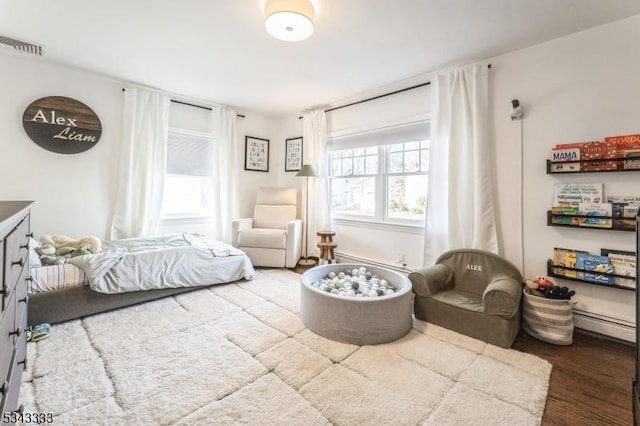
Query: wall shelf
[
  {"x": 550, "y": 217},
  {"x": 550, "y": 273},
  {"x": 619, "y": 165}
]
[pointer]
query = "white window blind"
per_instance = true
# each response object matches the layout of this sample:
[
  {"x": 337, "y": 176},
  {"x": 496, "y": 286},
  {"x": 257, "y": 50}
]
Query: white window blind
[
  {"x": 386, "y": 136},
  {"x": 189, "y": 153}
]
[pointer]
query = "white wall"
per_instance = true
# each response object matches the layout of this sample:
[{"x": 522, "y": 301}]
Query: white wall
[
  {"x": 75, "y": 194},
  {"x": 259, "y": 127},
  {"x": 577, "y": 88}
]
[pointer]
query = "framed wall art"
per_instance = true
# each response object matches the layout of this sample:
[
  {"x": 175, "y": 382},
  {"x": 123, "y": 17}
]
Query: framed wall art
[
  {"x": 256, "y": 154},
  {"x": 293, "y": 154}
]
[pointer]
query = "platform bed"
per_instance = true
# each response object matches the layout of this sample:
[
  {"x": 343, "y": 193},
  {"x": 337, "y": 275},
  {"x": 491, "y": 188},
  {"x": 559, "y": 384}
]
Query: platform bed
[
  {"x": 131, "y": 271},
  {"x": 77, "y": 302}
]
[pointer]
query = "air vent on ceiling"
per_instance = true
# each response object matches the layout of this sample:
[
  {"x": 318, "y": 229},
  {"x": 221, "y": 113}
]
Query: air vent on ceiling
[{"x": 22, "y": 46}]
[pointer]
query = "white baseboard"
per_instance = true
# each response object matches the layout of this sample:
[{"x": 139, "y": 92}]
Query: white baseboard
[
  {"x": 345, "y": 258},
  {"x": 604, "y": 324}
]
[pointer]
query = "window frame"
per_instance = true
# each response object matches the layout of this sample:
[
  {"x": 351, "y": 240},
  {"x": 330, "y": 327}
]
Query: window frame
[{"x": 381, "y": 179}]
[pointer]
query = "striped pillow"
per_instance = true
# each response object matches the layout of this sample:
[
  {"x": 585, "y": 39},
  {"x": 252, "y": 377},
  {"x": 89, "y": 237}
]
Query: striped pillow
[
  {"x": 549, "y": 320},
  {"x": 56, "y": 277}
]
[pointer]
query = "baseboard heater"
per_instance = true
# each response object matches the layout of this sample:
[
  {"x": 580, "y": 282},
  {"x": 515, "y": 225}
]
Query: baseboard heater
[
  {"x": 346, "y": 258},
  {"x": 604, "y": 324}
]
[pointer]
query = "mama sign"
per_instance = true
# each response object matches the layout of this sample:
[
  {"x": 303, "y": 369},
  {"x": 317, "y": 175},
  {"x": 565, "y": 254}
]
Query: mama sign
[{"x": 62, "y": 125}]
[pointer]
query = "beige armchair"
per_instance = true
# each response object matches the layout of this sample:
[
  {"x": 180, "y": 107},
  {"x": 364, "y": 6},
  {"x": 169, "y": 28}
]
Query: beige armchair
[
  {"x": 273, "y": 237},
  {"x": 472, "y": 292}
]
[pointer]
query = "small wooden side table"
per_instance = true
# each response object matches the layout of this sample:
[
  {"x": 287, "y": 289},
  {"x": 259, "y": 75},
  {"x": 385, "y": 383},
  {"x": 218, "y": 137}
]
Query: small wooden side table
[{"x": 327, "y": 246}]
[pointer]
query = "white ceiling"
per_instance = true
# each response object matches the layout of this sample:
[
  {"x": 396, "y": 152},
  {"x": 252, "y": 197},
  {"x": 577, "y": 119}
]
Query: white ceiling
[{"x": 218, "y": 50}]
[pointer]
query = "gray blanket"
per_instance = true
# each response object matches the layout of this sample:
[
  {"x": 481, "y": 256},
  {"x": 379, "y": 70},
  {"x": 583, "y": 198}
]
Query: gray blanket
[{"x": 167, "y": 261}]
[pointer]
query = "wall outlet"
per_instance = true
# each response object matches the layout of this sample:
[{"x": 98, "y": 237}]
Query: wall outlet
[{"x": 402, "y": 258}]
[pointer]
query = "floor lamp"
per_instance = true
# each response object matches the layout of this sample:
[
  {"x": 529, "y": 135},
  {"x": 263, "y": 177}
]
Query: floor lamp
[{"x": 306, "y": 172}]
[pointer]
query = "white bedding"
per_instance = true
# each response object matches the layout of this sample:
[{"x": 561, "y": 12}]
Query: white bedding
[
  {"x": 55, "y": 277},
  {"x": 167, "y": 261}
]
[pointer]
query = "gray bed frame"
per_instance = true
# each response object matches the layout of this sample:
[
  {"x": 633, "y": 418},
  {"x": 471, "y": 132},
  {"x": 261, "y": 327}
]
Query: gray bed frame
[{"x": 77, "y": 302}]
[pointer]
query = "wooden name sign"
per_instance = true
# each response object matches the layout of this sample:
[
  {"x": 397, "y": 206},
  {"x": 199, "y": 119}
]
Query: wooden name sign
[{"x": 62, "y": 125}]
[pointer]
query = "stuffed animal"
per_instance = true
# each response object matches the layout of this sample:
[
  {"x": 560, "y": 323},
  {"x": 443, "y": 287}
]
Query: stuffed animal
[
  {"x": 538, "y": 285},
  {"x": 543, "y": 282},
  {"x": 91, "y": 243},
  {"x": 556, "y": 292},
  {"x": 57, "y": 249}
]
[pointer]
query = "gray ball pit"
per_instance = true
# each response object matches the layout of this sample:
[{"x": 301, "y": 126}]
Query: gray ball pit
[{"x": 356, "y": 320}]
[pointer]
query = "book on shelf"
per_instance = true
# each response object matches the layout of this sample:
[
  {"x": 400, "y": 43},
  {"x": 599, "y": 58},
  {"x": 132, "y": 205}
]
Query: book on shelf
[
  {"x": 565, "y": 258},
  {"x": 599, "y": 165},
  {"x": 624, "y": 209},
  {"x": 564, "y": 215},
  {"x": 572, "y": 194},
  {"x": 572, "y": 145},
  {"x": 624, "y": 263},
  {"x": 597, "y": 150},
  {"x": 564, "y": 167},
  {"x": 593, "y": 156},
  {"x": 623, "y": 143},
  {"x": 632, "y": 159},
  {"x": 565, "y": 155},
  {"x": 594, "y": 268},
  {"x": 595, "y": 215}
]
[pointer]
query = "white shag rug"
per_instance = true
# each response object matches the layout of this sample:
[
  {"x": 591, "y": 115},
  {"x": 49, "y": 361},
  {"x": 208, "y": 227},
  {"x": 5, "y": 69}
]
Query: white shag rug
[{"x": 239, "y": 354}]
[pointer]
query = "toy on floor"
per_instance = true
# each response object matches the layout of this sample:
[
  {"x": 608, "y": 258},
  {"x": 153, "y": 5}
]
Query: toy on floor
[
  {"x": 38, "y": 332},
  {"x": 544, "y": 287}
]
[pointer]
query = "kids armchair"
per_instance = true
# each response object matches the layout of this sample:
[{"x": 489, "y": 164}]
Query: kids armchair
[
  {"x": 273, "y": 237},
  {"x": 472, "y": 292}
]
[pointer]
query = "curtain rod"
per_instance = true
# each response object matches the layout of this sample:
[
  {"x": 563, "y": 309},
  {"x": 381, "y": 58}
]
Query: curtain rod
[
  {"x": 200, "y": 106},
  {"x": 427, "y": 83},
  {"x": 196, "y": 106}
]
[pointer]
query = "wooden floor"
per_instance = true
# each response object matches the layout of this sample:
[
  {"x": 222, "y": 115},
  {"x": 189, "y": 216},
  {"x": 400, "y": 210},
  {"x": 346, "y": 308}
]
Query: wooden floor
[{"x": 590, "y": 381}]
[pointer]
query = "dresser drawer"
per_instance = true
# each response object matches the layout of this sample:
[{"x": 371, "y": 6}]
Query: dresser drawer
[
  {"x": 10, "y": 399},
  {"x": 16, "y": 247},
  {"x": 7, "y": 340},
  {"x": 21, "y": 340},
  {"x": 20, "y": 292}
]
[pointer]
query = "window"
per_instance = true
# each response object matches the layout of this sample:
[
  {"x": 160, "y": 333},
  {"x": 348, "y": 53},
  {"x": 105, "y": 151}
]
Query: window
[
  {"x": 353, "y": 181},
  {"x": 407, "y": 180},
  {"x": 188, "y": 192},
  {"x": 382, "y": 176}
]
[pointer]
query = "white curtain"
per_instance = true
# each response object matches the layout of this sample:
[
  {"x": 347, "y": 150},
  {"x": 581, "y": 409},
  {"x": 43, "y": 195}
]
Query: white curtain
[
  {"x": 314, "y": 134},
  {"x": 225, "y": 172},
  {"x": 460, "y": 207},
  {"x": 142, "y": 164}
]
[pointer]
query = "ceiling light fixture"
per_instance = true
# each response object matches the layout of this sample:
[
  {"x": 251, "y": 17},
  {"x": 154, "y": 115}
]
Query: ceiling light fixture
[{"x": 289, "y": 20}]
